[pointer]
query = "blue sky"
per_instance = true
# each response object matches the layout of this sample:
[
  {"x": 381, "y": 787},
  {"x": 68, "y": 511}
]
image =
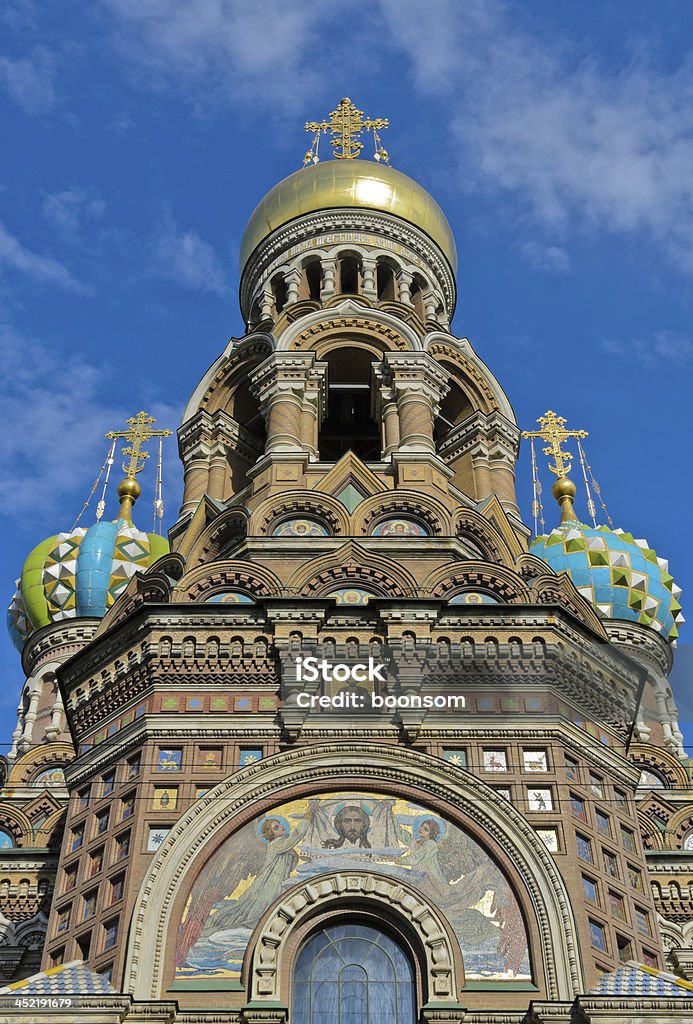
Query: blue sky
[{"x": 138, "y": 135}]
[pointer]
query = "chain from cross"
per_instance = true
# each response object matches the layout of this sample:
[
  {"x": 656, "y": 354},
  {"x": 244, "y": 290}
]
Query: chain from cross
[
  {"x": 346, "y": 124},
  {"x": 553, "y": 430},
  {"x": 139, "y": 431}
]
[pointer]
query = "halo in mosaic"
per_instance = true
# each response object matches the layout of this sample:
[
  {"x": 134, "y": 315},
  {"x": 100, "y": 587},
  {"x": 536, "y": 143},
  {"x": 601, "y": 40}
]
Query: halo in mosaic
[
  {"x": 300, "y": 528},
  {"x": 400, "y": 528},
  {"x": 79, "y": 574},
  {"x": 230, "y": 597},
  {"x": 351, "y": 595},
  {"x": 472, "y": 597},
  {"x": 621, "y": 576}
]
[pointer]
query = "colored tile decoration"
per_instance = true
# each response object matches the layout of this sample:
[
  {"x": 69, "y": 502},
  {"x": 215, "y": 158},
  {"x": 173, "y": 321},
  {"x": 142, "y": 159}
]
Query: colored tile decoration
[
  {"x": 635, "y": 979},
  {"x": 249, "y": 756},
  {"x": 218, "y": 704},
  {"x": 50, "y": 777},
  {"x": 539, "y": 799},
  {"x": 230, "y": 597},
  {"x": 589, "y": 889},
  {"x": 73, "y": 978},
  {"x": 170, "y": 704},
  {"x": 351, "y": 595},
  {"x": 80, "y": 573},
  {"x": 6, "y": 840},
  {"x": 535, "y": 761},
  {"x": 266, "y": 704},
  {"x": 194, "y": 704},
  {"x": 456, "y": 757},
  {"x": 300, "y": 528},
  {"x": 622, "y": 577},
  {"x": 155, "y": 838},
  {"x": 165, "y": 799},
  {"x": 584, "y": 849},
  {"x": 473, "y": 597},
  {"x": 350, "y": 496},
  {"x": 533, "y": 704},
  {"x": 169, "y": 760},
  {"x": 503, "y": 792},
  {"x": 549, "y": 837},
  {"x": 400, "y": 528},
  {"x": 242, "y": 704},
  {"x": 597, "y": 936},
  {"x": 495, "y": 761},
  {"x": 485, "y": 704}
]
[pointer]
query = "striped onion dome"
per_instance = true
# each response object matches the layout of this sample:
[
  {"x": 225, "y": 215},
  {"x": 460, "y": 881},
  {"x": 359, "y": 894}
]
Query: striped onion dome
[{"x": 79, "y": 574}]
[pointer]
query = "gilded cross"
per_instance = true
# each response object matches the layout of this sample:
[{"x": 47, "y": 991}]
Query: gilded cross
[
  {"x": 346, "y": 125},
  {"x": 553, "y": 430},
  {"x": 139, "y": 430}
]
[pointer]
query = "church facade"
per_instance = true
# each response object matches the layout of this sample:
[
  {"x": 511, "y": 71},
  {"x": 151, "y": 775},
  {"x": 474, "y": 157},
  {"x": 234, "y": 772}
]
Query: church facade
[{"x": 354, "y": 747}]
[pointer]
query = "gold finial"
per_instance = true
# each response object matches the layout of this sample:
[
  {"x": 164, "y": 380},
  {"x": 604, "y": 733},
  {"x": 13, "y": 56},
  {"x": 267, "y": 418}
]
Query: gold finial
[
  {"x": 346, "y": 125},
  {"x": 553, "y": 430},
  {"x": 139, "y": 430}
]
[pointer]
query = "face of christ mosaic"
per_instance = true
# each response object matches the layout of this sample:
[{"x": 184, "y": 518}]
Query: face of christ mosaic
[{"x": 341, "y": 831}]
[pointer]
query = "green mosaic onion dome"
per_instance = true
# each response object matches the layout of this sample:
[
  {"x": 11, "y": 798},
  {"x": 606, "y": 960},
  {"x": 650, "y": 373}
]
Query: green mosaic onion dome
[
  {"x": 621, "y": 576},
  {"x": 79, "y": 574}
]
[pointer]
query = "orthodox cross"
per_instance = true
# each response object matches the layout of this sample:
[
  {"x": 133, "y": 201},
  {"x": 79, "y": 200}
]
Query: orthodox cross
[
  {"x": 139, "y": 431},
  {"x": 553, "y": 430},
  {"x": 346, "y": 125}
]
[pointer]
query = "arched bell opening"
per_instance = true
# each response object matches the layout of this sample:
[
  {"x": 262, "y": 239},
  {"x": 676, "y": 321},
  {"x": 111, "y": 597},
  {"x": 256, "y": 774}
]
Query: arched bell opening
[
  {"x": 349, "y": 424},
  {"x": 349, "y": 278},
  {"x": 454, "y": 409},
  {"x": 416, "y": 294},
  {"x": 385, "y": 281}
]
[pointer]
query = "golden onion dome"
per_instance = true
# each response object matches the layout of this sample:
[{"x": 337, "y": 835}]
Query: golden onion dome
[{"x": 352, "y": 183}]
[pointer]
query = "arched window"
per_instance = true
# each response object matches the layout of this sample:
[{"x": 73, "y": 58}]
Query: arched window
[
  {"x": 279, "y": 290},
  {"x": 349, "y": 275},
  {"x": 314, "y": 279},
  {"x": 385, "y": 281},
  {"x": 353, "y": 974},
  {"x": 416, "y": 293}
]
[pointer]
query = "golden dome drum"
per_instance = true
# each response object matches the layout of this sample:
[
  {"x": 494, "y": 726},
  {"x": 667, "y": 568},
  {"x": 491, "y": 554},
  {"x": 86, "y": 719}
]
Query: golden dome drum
[{"x": 333, "y": 184}]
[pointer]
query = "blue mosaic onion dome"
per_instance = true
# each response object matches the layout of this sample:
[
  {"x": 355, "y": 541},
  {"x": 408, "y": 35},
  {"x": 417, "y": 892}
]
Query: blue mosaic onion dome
[
  {"x": 80, "y": 573},
  {"x": 621, "y": 576}
]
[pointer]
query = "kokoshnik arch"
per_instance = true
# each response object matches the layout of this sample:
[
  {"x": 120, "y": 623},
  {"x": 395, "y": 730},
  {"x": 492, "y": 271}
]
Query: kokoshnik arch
[{"x": 192, "y": 843}]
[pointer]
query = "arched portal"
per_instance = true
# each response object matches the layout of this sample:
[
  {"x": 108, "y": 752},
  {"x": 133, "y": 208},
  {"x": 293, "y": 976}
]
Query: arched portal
[{"x": 352, "y": 973}]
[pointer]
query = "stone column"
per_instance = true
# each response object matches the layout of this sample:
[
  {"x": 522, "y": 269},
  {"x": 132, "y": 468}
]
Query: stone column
[
  {"x": 293, "y": 284},
  {"x": 266, "y": 304},
  {"x": 404, "y": 280},
  {"x": 419, "y": 384},
  {"x": 280, "y": 384},
  {"x": 218, "y": 470},
  {"x": 314, "y": 406},
  {"x": 195, "y": 478},
  {"x": 369, "y": 288},
  {"x": 329, "y": 276},
  {"x": 30, "y": 717}
]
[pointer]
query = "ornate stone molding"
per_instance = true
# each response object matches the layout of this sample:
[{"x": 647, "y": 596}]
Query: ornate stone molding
[{"x": 374, "y": 891}]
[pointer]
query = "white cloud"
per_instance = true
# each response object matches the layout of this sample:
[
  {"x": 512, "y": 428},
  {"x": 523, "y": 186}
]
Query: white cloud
[
  {"x": 574, "y": 143},
  {"x": 546, "y": 257},
  {"x": 60, "y": 410},
  {"x": 70, "y": 209},
  {"x": 244, "y": 49},
  {"x": 671, "y": 347},
  {"x": 30, "y": 81},
  {"x": 185, "y": 258},
  {"x": 44, "y": 269}
]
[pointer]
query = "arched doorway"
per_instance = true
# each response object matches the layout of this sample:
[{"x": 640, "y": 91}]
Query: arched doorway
[{"x": 353, "y": 974}]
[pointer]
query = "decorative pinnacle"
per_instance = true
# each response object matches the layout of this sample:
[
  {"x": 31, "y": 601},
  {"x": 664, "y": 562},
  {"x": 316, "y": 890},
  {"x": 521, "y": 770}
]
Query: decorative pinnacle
[
  {"x": 139, "y": 430},
  {"x": 553, "y": 430},
  {"x": 346, "y": 125}
]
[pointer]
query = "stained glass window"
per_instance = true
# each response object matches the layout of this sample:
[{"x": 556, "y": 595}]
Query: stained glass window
[{"x": 353, "y": 974}]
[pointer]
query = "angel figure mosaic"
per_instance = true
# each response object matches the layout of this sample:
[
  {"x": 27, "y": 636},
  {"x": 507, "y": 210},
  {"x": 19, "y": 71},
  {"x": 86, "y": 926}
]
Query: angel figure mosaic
[{"x": 339, "y": 831}]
